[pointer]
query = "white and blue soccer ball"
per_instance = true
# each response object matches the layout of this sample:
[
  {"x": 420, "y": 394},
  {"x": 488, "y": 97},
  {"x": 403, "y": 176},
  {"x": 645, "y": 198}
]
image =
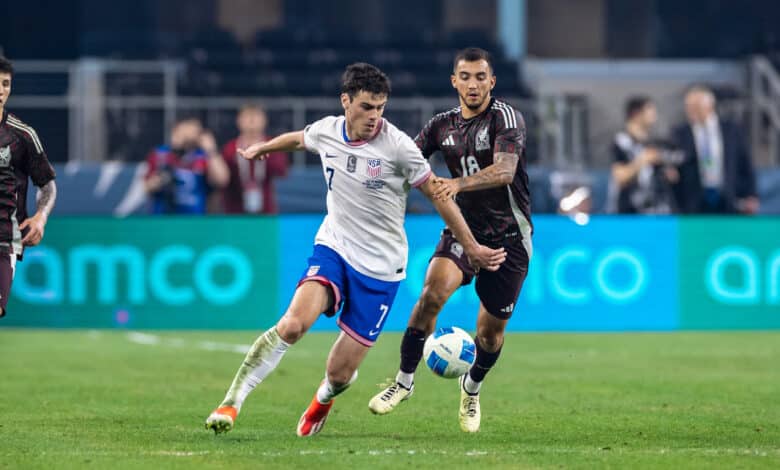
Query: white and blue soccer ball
[{"x": 449, "y": 352}]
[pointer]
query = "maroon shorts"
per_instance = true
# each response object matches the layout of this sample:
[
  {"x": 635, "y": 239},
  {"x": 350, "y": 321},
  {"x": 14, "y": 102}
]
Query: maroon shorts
[
  {"x": 7, "y": 266},
  {"x": 497, "y": 290}
]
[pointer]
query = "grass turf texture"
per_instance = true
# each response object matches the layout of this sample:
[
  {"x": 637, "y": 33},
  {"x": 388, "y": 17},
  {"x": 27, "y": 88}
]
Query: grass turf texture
[{"x": 107, "y": 400}]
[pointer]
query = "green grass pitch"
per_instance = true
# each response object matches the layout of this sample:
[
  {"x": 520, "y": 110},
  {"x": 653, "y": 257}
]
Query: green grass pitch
[{"x": 116, "y": 399}]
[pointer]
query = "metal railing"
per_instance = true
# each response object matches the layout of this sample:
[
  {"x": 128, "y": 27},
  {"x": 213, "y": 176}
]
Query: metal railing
[
  {"x": 765, "y": 110},
  {"x": 118, "y": 110}
]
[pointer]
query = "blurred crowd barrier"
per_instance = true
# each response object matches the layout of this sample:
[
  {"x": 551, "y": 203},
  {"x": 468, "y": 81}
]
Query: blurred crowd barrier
[
  {"x": 611, "y": 274},
  {"x": 117, "y": 189},
  {"x": 120, "y": 110}
]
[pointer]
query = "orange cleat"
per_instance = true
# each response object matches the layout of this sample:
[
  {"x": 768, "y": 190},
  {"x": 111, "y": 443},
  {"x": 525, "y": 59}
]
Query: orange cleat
[
  {"x": 222, "y": 419},
  {"x": 313, "y": 419}
]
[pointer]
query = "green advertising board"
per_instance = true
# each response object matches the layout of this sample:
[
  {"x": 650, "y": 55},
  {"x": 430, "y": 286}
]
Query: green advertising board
[
  {"x": 613, "y": 274},
  {"x": 729, "y": 273},
  {"x": 173, "y": 272}
]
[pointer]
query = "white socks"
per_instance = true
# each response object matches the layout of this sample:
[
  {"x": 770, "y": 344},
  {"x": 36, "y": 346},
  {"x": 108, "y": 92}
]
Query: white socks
[
  {"x": 405, "y": 379},
  {"x": 261, "y": 360},
  {"x": 471, "y": 387},
  {"x": 327, "y": 390}
]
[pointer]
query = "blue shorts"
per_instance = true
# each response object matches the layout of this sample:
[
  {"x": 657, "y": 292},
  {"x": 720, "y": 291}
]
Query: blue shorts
[{"x": 363, "y": 300}]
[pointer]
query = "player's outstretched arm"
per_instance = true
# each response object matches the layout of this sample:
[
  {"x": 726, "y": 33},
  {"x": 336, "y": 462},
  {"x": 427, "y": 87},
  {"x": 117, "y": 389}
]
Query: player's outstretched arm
[
  {"x": 47, "y": 194},
  {"x": 500, "y": 173},
  {"x": 479, "y": 255},
  {"x": 289, "y": 142}
]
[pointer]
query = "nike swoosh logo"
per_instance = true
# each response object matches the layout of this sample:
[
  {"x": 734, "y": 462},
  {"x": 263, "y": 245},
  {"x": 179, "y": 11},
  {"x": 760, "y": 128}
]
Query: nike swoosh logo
[
  {"x": 331, "y": 156},
  {"x": 373, "y": 333}
]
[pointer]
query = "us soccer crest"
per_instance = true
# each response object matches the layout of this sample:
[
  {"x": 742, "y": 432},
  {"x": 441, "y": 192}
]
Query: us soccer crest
[
  {"x": 5, "y": 156},
  {"x": 374, "y": 168},
  {"x": 483, "y": 139}
]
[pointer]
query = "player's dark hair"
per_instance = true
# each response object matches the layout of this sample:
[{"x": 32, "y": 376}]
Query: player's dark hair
[
  {"x": 472, "y": 54},
  {"x": 6, "y": 66},
  {"x": 635, "y": 105},
  {"x": 361, "y": 76}
]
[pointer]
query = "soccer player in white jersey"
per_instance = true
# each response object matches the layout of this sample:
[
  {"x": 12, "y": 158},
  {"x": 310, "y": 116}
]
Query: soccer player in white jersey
[{"x": 360, "y": 250}]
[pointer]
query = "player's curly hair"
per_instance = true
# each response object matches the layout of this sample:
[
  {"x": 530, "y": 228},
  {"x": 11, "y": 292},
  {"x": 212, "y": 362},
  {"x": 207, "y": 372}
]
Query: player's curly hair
[
  {"x": 6, "y": 66},
  {"x": 361, "y": 76}
]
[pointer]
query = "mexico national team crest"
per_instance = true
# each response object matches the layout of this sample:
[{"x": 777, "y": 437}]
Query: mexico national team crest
[
  {"x": 5, "y": 156},
  {"x": 483, "y": 139},
  {"x": 374, "y": 168}
]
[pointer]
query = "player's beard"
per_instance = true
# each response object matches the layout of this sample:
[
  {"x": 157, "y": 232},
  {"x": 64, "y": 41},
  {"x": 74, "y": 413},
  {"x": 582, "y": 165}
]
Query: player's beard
[{"x": 473, "y": 107}]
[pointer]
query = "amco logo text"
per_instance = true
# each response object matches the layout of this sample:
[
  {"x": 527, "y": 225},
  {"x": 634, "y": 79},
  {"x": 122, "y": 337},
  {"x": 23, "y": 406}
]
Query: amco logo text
[{"x": 145, "y": 276}]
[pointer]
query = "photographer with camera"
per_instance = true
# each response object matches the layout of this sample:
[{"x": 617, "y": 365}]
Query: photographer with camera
[
  {"x": 180, "y": 177},
  {"x": 643, "y": 170}
]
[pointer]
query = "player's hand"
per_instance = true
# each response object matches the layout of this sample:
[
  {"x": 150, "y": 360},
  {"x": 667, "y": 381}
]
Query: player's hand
[
  {"x": 36, "y": 224},
  {"x": 253, "y": 152},
  {"x": 486, "y": 258},
  {"x": 445, "y": 188}
]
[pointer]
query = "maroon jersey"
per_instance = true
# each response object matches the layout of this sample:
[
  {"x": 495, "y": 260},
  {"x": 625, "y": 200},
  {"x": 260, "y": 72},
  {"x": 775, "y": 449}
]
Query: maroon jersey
[
  {"x": 246, "y": 176},
  {"x": 21, "y": 158},
  {"x": 468, "y": 145}
]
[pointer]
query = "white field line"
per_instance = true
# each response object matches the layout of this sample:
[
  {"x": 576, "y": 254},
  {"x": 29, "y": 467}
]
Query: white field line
[
  {"x": 535, "y": 450},
  {"x": 155, "y": 340},
  {"x": 746, "y": 452},
  {"x": 180, "y": 453},
  {"x": 494, "y": 452}
]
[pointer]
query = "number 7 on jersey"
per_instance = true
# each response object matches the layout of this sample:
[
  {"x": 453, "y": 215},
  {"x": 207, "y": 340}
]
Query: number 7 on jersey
[{"x": 330, "y": 171}]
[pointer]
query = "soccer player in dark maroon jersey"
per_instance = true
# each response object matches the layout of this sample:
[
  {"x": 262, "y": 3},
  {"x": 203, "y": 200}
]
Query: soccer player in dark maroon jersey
[
  {"x": 483, "y": 144},
  {"x": 21, "y": 157}
]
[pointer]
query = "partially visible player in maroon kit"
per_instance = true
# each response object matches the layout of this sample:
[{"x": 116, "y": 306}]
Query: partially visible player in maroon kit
[
  {"x": 21, "y": 157},
  {"x": 483, "y": 143}
]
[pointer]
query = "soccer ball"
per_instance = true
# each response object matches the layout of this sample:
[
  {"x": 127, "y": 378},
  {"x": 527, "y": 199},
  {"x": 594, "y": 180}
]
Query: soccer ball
[{"x": 449, "y": 352}]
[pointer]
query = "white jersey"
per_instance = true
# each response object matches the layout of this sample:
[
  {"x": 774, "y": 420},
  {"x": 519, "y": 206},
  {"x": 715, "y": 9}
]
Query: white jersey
[{"x": 368, "y": 182}]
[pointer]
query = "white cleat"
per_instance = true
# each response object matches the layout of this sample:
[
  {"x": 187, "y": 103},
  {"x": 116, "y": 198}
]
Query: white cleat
[
  {"x": 385, "y": 401},
  {"x": 469, "y": 410}
]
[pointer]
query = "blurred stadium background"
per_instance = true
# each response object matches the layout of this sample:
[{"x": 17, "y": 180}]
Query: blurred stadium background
[
  {"x": 103, "y": 85},
  {"x": 103, "y": 82},
  {"x": 106, "y": 84}
]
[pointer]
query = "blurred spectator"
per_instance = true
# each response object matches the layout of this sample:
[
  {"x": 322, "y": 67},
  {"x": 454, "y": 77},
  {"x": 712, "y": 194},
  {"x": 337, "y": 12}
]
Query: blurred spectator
[
  {"x": 180, "y": 176},
  {"x": 641, "y": 172},
  {"x": 251, "y": 189},
  {"x": 716, "y": 174}
]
